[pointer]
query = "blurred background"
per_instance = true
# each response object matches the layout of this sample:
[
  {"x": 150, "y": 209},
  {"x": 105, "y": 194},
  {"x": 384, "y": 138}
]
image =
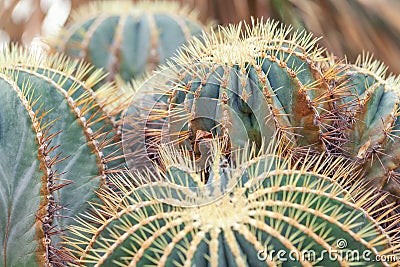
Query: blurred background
[{"x": 348, "y": 27}]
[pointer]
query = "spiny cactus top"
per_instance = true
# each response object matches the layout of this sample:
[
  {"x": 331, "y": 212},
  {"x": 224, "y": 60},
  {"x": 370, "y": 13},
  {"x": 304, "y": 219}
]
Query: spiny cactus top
[
  {"x": 247, "y": 85},
  {"x": 270, "y": 207},
  {"x": 250, "y": 84},
  {"x": 125, "y": 38},
  {"x": 56, "y": 146}
]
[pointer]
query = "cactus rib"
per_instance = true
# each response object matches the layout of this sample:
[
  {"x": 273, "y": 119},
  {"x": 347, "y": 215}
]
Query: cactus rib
[{"x": 45, "y": 174}]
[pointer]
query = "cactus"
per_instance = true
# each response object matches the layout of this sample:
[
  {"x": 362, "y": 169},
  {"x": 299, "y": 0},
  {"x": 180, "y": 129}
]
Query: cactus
[
  {"x": 370, "y": 135},
  {"x": 57, "y": 147},
  {"x": 250, "y": 84},
  {"x": 245, "y": 85},
  {"x": 125, "y": 38},
  {"x": 270, "y": 205}
]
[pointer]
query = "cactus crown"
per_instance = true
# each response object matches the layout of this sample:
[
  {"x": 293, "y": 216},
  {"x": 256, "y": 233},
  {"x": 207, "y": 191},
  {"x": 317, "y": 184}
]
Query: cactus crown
[
  {"x": 232, "y": 45},
  {"x": 272, "y": 205}
]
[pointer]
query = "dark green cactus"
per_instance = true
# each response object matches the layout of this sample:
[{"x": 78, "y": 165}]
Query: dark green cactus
[
  {"x": 250, "y": 84},
  {"x": 371, "y": 135},
  {"x": 57, "y": 146},
  {"x": 125, "y": 38},
  {"x": 270, "y": 205}
]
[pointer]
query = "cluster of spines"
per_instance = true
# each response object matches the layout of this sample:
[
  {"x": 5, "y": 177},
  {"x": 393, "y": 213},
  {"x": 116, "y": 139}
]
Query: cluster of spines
[
  {"x": 34, "y": 58},
  {"x": 144, "y": 230},
  {"x": 369, "y": 118}
]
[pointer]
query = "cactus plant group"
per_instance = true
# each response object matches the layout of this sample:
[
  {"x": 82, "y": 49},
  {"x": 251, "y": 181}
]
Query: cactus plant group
[
  {"x": 250, "y": 84},
  {"x": 250, "y": 144},
  {"x": 127, "y": 39}
]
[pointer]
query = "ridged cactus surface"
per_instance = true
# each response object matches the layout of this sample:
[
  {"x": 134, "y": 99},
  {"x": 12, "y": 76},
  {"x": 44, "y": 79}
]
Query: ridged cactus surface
[
  {"x": 125, "y": 38},
  {"x": 56, "y": 146},
  {"x": 249, "y": 84},
  {"x": 269, "y": 206},
  {"x": 371, "y": 132}
]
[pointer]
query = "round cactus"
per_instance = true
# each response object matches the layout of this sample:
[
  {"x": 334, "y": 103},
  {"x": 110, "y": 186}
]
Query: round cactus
[
  {"x": 250, "y": 84},
  {"x": 247, "y": 85},
  {"x": 57, "y": 146},
  {"x": 125, "y": 38},
  {"x": 270, "y": 207}
]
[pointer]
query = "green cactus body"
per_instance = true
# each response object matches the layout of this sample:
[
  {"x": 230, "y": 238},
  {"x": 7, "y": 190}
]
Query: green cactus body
[
  {"x": 267, "y": 79},
  {"x": 54, "y": 139},
  {"x": 127, "y": 39},
  {"x": 373, "y": 134},
  {"x": 245, "y": 85},
  {"x": 23, "y": 167},
  {"x": 270, "y": 207}
]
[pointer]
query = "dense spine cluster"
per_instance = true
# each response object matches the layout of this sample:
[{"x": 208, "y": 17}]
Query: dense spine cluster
[{"x": 372, "y": 133}]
